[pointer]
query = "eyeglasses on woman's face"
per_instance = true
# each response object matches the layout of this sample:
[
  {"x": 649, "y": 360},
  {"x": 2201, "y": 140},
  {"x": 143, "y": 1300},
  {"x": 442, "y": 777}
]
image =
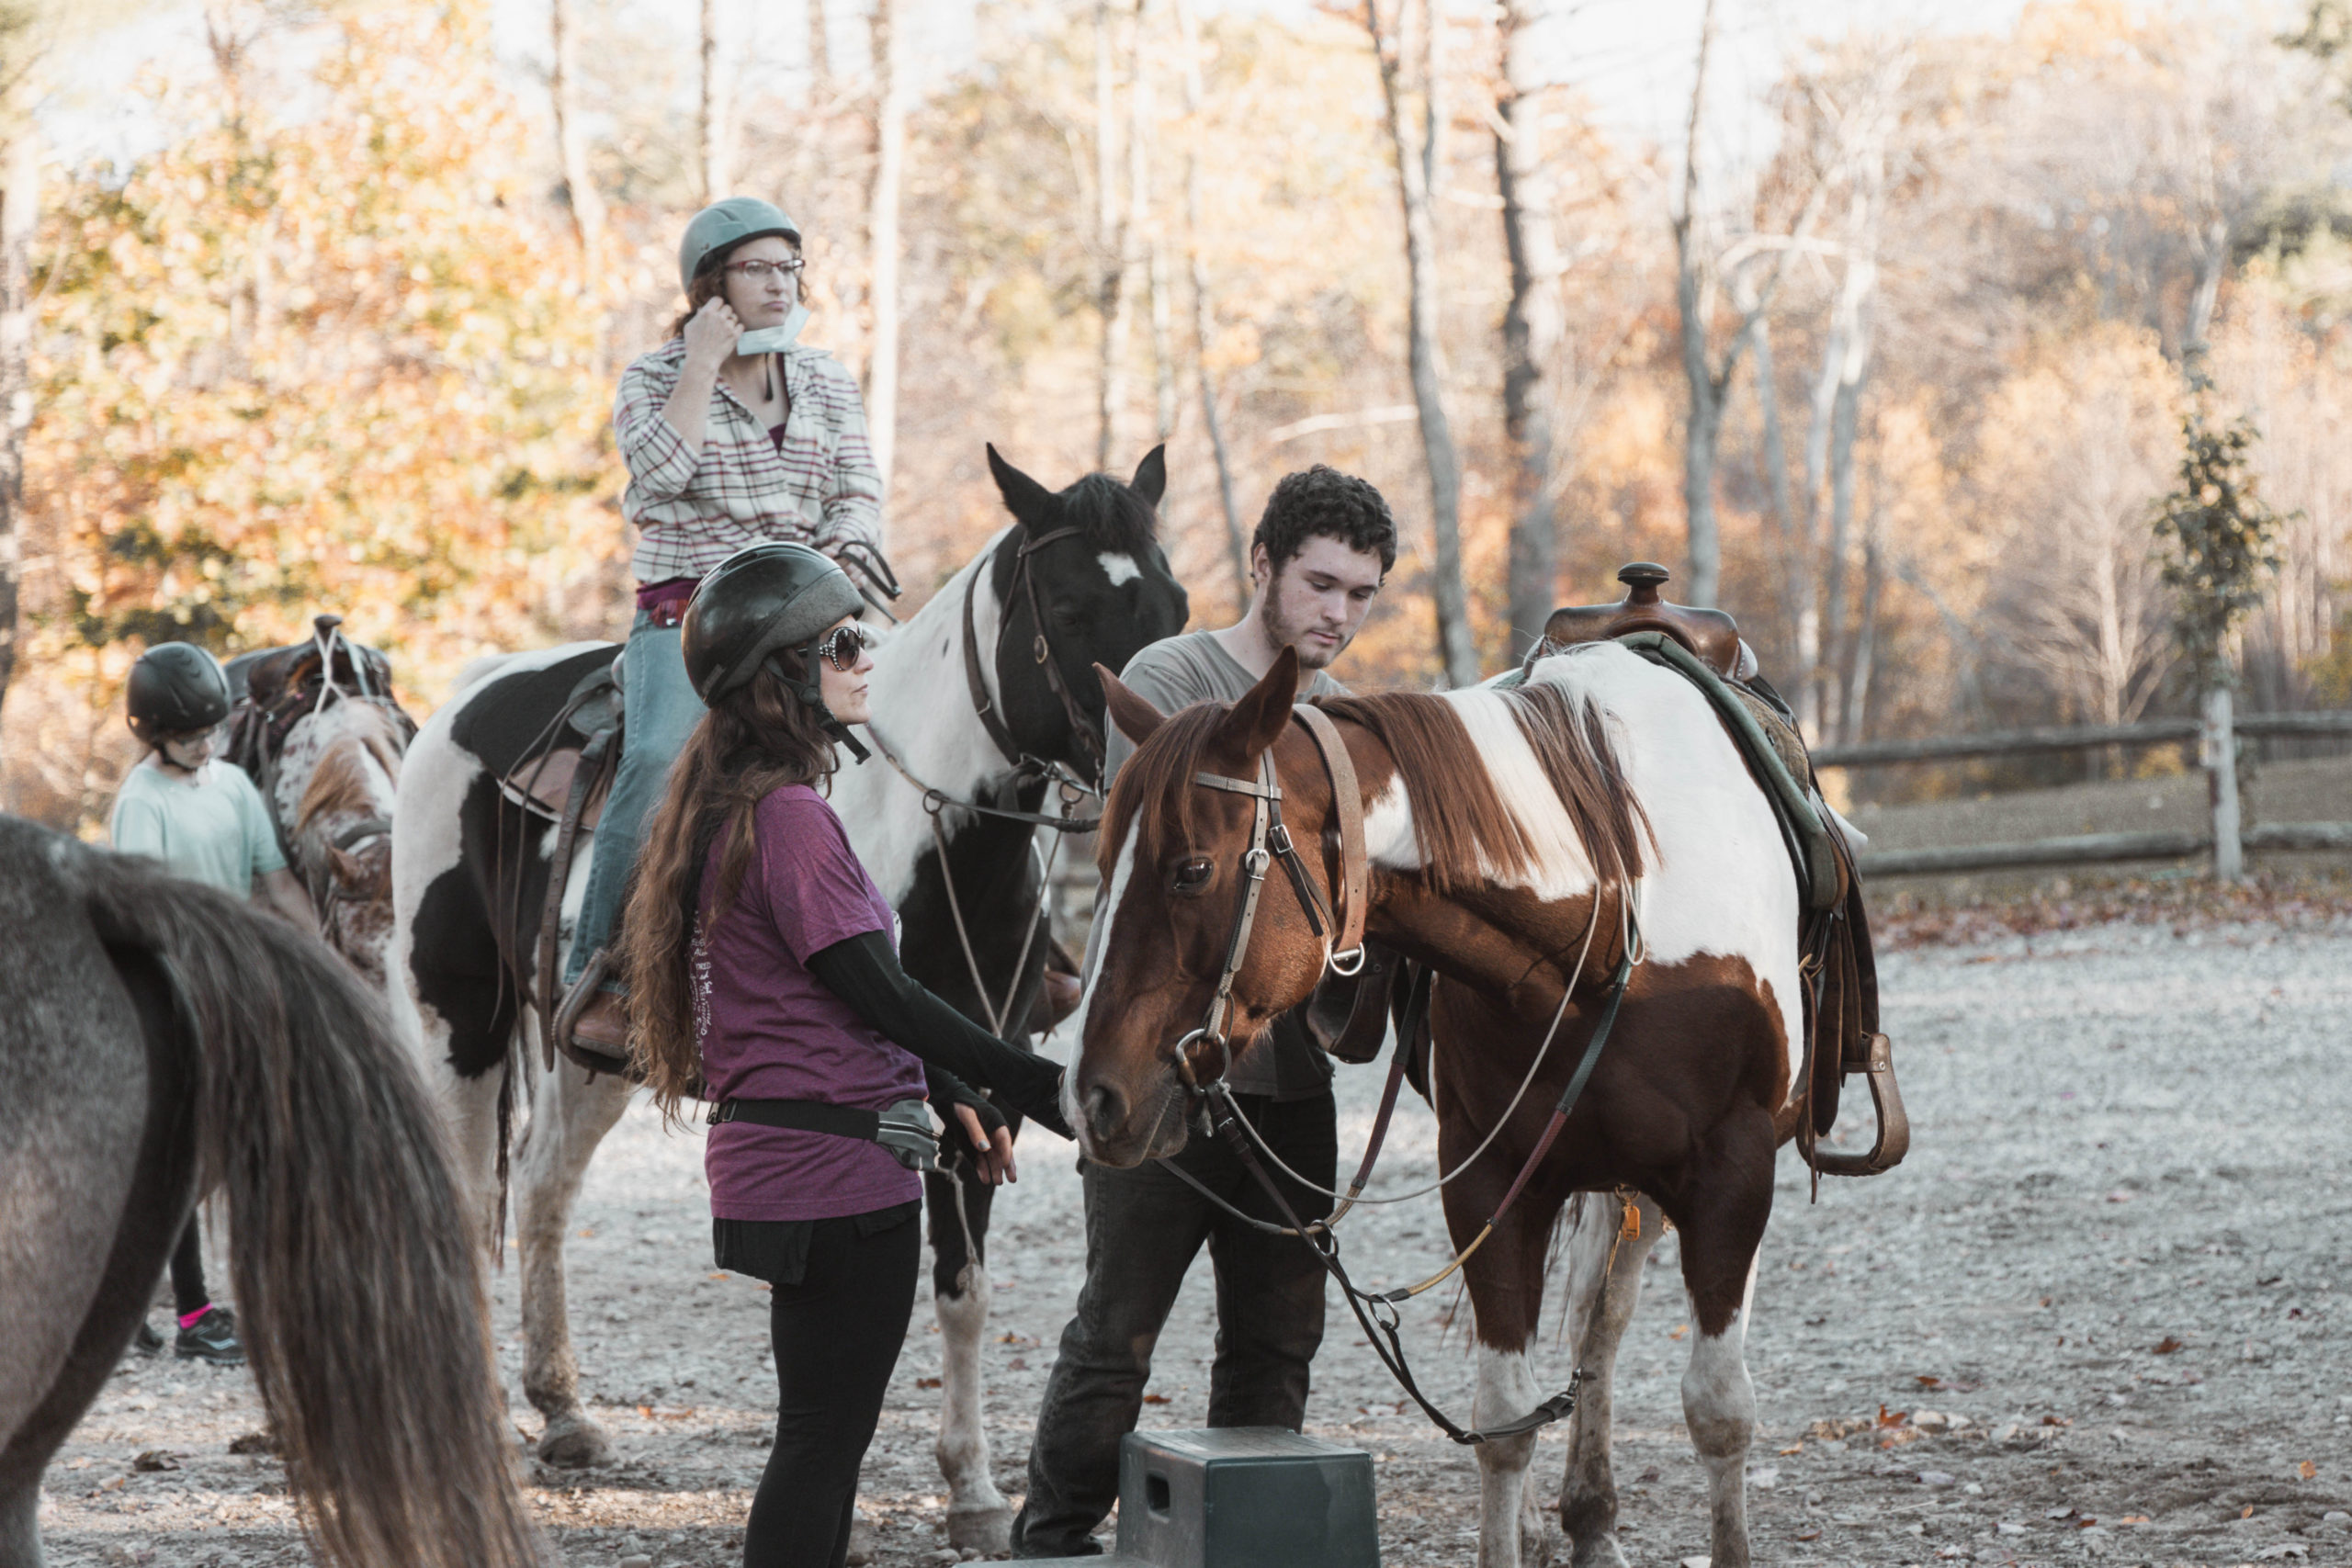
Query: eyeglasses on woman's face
[
  {"x": 761, "y": 271},
  {"x": 840, "y": 646}
]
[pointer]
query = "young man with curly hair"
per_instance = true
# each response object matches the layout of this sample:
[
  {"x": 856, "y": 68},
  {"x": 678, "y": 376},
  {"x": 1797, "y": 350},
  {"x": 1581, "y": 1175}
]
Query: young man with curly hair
[{"x": 1323, "y": 549}]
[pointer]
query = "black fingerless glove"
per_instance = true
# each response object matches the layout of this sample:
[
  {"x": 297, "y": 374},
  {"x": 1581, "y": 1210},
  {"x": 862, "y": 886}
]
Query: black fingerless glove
[{"x": 947, "y": 1092}]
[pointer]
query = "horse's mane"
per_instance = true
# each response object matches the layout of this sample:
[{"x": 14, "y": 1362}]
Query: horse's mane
[
  {"x": 1471, "y": 829},
  {"x": 340, "y": 782},
  {"x": 1110, "y": 515}
]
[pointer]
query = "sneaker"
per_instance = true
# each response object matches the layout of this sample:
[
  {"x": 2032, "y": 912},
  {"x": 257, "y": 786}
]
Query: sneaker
[
  {"x": 213, "y": 1337},
  {"x": 147, "y": 1342}
]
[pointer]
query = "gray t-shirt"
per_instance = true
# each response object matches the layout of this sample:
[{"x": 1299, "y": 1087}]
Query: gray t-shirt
[{"x": 1174, "y": 674}]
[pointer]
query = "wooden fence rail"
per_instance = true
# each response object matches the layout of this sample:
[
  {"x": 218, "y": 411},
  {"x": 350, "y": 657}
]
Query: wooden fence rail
[
  {"x": 2017, "y": 742},
  {"x": 2216, "y": 735}
]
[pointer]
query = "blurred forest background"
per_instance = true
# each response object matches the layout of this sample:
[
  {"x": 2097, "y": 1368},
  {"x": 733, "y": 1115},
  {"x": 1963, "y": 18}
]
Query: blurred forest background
[{"x": 1906, "y": 390}]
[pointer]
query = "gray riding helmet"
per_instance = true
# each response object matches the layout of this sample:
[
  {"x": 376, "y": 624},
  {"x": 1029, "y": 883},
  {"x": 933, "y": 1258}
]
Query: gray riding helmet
[
  {"x": 761, "y": 599},
  {"x": 721, "y": 226}
]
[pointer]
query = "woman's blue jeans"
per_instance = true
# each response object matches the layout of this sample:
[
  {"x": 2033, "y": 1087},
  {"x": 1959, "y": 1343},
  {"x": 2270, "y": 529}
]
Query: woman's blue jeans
[{"x": 660, "y": 711}]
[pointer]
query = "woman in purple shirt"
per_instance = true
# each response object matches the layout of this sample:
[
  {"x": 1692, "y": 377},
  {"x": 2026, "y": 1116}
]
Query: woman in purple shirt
[{"x": 763, "y": 977}]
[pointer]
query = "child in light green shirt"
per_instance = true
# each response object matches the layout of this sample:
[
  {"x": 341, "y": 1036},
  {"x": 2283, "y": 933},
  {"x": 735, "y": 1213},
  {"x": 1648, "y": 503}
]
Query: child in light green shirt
[{"x": 204, "y": 821}]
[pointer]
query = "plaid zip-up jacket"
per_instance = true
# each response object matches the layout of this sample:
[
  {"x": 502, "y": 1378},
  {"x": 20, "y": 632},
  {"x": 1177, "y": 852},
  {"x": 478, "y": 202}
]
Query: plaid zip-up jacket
[{"x": 695, "y": 509}]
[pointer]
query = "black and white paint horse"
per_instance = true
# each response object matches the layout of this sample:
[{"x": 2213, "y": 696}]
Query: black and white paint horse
[
  {"x": 470, "y": 873},
  {"x": 154, "y": 1031}
]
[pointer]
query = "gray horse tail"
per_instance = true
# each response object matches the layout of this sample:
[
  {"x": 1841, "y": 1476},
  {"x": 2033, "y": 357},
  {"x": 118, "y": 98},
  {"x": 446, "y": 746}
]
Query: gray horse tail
[{"x": 353, "y": 1272}]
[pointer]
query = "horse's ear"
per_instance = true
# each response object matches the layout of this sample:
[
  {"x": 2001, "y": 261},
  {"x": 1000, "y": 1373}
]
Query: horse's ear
[
  {"x": 1133, "y": 714},
  {"x": 1023, "y": 496},
  {"x": 1258, "y": 720},
  {"x": 1151, "y": 475}
]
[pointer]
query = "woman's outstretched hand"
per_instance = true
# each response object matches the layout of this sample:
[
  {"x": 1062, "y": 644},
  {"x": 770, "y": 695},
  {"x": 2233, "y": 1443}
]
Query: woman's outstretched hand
[
  {"x": 710, "y": 336},
  {"x": 991, "y": 1149}
]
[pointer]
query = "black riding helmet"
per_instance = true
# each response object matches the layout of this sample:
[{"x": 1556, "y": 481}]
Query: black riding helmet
[
  {"x": 175, "y": 688},
  {"x": 761, "y": 601}
]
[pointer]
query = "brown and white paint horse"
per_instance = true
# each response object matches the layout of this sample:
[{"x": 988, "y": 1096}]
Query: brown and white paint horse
[{"x": 1501, "y": 827}]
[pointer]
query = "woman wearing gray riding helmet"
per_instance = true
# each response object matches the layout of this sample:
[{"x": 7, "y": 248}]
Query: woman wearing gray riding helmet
[
  {"x": 725, "y": 448},
  {"x": 764, "y": 977}
]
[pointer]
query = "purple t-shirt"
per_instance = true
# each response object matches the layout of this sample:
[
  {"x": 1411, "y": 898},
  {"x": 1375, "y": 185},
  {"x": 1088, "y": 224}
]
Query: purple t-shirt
[{"x": 770, "y": 1029}]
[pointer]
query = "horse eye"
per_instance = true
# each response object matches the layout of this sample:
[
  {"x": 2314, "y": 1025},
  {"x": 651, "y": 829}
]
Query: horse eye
[{"x": 1194, "y": 876}]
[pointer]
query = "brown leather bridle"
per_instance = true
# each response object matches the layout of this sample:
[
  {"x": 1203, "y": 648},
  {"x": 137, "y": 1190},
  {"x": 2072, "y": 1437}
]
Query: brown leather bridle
[{"x": 1270, "y": 841}]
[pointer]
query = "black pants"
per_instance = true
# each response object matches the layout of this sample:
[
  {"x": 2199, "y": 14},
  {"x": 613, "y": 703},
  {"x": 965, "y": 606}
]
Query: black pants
[
  {"x": 1143, "y": 1229},
  {"x": 837, "y": 1332},
  {"x": 189, "y": 1294}
]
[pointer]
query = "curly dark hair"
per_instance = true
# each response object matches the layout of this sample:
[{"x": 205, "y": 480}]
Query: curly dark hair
[{"x": 1321, "y": 500}]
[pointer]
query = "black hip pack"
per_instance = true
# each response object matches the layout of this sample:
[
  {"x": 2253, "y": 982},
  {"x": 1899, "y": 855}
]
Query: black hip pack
[{"x": 903, "y": 1128}]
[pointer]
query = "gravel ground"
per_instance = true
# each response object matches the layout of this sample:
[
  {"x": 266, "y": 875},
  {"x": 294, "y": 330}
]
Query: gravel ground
[{"x": 2094, "y": 1315}]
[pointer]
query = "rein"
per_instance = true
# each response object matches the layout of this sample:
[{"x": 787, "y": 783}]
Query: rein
[{"x": 1269, "y": 840}]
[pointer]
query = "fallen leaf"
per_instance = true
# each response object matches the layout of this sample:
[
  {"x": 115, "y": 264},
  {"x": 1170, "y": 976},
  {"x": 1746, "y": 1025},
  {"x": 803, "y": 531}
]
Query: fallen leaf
[
  {"x": 926, "y": 1383},
  {"x": 1794, "y": 1448},
  {"x": 1895, "y": 1418},
  {"x": 2307, "y": 1470},
  {"x": 720, "y": 1275},
  {"x": 2057, "y": 1421},
  {"x": 1927, "y": 1380},
  {"x": 1155, "y": 1399},
  {"x": 1809, "y": 1535},
  {"x": 1680, "y": 1330},
  {"x": 646, "y": 1411},
  {"x": 2246, "y": 1512},
  {"x": 2167, "y": 1345},
  {"x": 2134, "y": 1519},
  {"x": 2084, "y": 1523}
]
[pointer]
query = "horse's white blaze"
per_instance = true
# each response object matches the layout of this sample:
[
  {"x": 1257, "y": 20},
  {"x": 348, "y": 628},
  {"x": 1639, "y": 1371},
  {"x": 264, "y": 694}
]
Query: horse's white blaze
[
  {"x": 1506, "y": 1390},
  {"x": 929, "y": 726},
  {"x": 1119, "y": 567}
]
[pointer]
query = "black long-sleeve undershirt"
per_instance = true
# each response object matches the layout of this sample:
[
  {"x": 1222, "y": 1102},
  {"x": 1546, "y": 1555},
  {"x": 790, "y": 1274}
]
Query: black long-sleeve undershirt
[{"x": 864, "y": 971}]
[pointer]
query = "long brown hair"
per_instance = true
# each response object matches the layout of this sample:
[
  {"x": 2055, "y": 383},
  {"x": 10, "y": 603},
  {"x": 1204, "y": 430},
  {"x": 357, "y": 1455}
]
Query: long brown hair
[{"x": 757, "y": 738}]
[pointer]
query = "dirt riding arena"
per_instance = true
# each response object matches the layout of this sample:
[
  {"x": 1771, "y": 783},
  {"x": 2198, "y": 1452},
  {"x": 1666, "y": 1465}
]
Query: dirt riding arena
[{"x": 2096, "y": 1315}]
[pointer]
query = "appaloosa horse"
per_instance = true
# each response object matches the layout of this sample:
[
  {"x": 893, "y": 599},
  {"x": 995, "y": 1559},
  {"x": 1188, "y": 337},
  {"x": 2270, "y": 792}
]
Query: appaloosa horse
[
  {"x": 1078, "y": 578},
  {"x": 1531, "y": 847},
  {"x": 150, "y": 1029},
  {"x": 317, "y": 727}
]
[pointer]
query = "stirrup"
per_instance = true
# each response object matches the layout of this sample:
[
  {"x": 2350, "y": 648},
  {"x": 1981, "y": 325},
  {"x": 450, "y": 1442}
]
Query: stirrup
[
  {"x": 576, "y": 1000},
  {"x": 1893, "y": 1126}
]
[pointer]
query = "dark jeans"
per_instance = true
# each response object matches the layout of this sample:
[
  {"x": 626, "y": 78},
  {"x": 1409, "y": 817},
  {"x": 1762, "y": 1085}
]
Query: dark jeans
[
  {"x": 189, "y": 1294},
  {"x": 1143, "y": 1229},
  {"x": 837, "y": 1333}
]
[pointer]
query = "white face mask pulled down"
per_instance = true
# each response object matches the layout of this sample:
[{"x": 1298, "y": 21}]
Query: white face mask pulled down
[{"x": 775, "y": 339}]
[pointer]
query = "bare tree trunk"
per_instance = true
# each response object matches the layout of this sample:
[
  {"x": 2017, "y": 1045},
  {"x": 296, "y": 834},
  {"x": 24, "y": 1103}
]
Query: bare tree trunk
[
  {"x": 715, "y": 113},
  {"x": 1863, "y": 665},
  {"x": 1204, "y": 330},
  {"x": 1143, "y": 249},
  {"x": 1772, "y": 459},
  {"x": 1531, "y": 329},
  {"x": 20, "y": 212},
  {"x": 581, "y": 200},
  {"x": 1414, "y": 167},
  {"x": 1694, "y": 300},
  {"x": 2212, "y": 260},
  {"x": 820, "y": 53},
  {"x": 1110, "y": 240},
  {"x": 882, "y": 232}
]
